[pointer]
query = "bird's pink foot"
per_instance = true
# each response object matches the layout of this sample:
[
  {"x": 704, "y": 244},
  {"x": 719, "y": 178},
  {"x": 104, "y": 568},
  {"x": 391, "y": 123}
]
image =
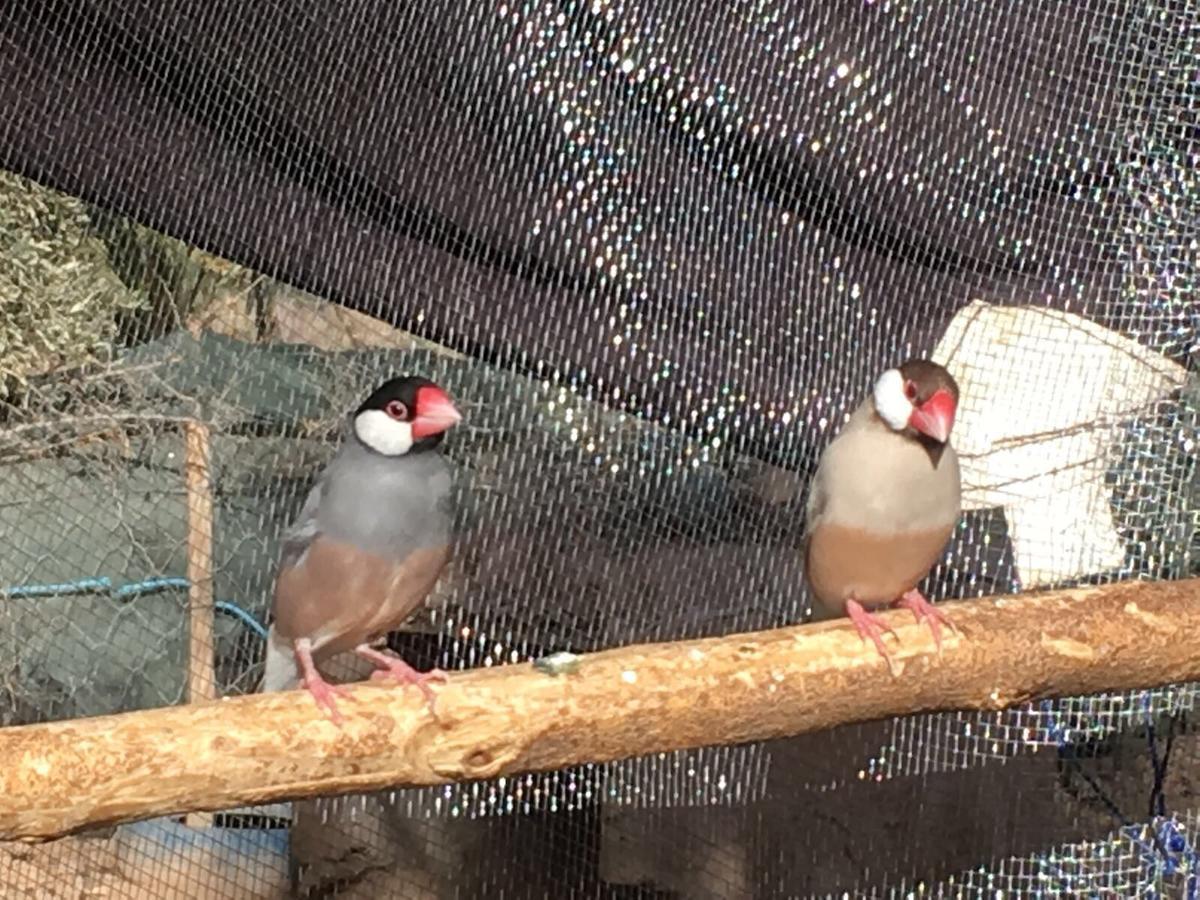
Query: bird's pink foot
[
  {"x": 392, "y": 666},
  {"x": 870, "y": 627},
  {"x": 923, "y": 609},
  {"x": 322, "y": 691}
]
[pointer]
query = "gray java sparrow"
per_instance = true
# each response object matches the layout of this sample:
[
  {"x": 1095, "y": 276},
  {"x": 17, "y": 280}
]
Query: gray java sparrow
[
  {"x": 884, "y": 501},
  {"x": 369, "y": 544}
]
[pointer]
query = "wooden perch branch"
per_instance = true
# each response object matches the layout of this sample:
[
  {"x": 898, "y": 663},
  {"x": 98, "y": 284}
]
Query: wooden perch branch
[{"x": 64, "y": 776}]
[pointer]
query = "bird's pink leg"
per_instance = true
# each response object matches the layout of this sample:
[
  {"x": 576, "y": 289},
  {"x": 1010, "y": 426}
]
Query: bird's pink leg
[
  {"x": 870, "y": 627},
  {"x": 322, "y": 691},
  {"x": 392, "y": 666},
  {"x": 923, "y": 609}
]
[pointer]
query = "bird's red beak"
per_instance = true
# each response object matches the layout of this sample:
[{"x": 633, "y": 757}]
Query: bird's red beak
[
  {"x": 435, "y": 412},
  {"x": 935, "y": 417}
]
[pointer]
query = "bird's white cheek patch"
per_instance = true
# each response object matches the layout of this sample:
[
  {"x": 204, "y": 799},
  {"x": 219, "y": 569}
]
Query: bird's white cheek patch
[
  {"x": 891, "y": 404},
  {"x": 382, "y": 433}
]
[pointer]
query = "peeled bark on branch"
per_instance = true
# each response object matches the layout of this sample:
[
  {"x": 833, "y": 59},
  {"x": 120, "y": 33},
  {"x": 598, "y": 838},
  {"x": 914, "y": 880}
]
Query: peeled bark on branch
[{"x": 64, "y": 776}]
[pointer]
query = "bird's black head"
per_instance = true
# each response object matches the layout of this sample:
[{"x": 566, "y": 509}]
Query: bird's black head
[{"x": 404, "y": 415}]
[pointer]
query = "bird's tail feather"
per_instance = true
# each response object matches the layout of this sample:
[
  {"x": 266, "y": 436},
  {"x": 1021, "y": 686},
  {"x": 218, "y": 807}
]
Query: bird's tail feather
[{"x": 281, "y": 672}]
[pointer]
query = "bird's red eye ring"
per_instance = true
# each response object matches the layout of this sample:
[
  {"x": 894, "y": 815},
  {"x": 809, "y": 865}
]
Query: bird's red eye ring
[
  {"x": 910, "y": 390},
  {"x": 396, "y": 410}
]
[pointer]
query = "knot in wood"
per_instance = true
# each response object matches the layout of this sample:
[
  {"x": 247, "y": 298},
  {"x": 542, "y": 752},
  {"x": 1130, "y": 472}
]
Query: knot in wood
[{"x": 472, "y": 762}]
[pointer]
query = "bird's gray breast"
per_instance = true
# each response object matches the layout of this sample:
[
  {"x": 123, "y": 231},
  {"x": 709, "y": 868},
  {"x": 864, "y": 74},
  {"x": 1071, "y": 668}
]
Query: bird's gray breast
[{"x": 388, "y": 506}]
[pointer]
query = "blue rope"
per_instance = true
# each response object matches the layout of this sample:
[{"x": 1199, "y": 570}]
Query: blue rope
[
  {"x": 1169, "y": 849},
  {"x": 1168, "y": 846},
  {"x": 104, "y": 585},
  {"x": 150, "y": 585},
  {"x": 1158, "y": 805},
  {"x": 82, "y": 586},
  {"x": 237, "y": 612}
]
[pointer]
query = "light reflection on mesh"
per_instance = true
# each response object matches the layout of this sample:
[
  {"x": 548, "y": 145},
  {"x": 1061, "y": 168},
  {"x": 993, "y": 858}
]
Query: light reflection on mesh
[{"x": 656, "y": 253}]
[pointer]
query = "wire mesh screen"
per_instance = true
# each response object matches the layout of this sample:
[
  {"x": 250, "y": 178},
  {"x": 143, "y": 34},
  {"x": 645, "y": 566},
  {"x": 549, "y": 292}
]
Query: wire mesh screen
[{"x": 657, "y": 253}]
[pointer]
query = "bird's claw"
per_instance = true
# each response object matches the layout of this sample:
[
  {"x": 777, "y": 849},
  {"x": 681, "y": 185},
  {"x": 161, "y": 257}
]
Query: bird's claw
[
  {"x": 870, "y": 627},
  {"x": 402, "y": 672},
  {"x": 323, "y": 692},
  {"x": 923, "y": 609},
  {"x": 394, "y": 668}
]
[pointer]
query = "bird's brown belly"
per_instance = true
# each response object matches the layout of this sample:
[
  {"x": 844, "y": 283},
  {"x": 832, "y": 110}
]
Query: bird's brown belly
[
  {"x": 844, "y": 562},
  {"x": 339, "y": 596}
]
